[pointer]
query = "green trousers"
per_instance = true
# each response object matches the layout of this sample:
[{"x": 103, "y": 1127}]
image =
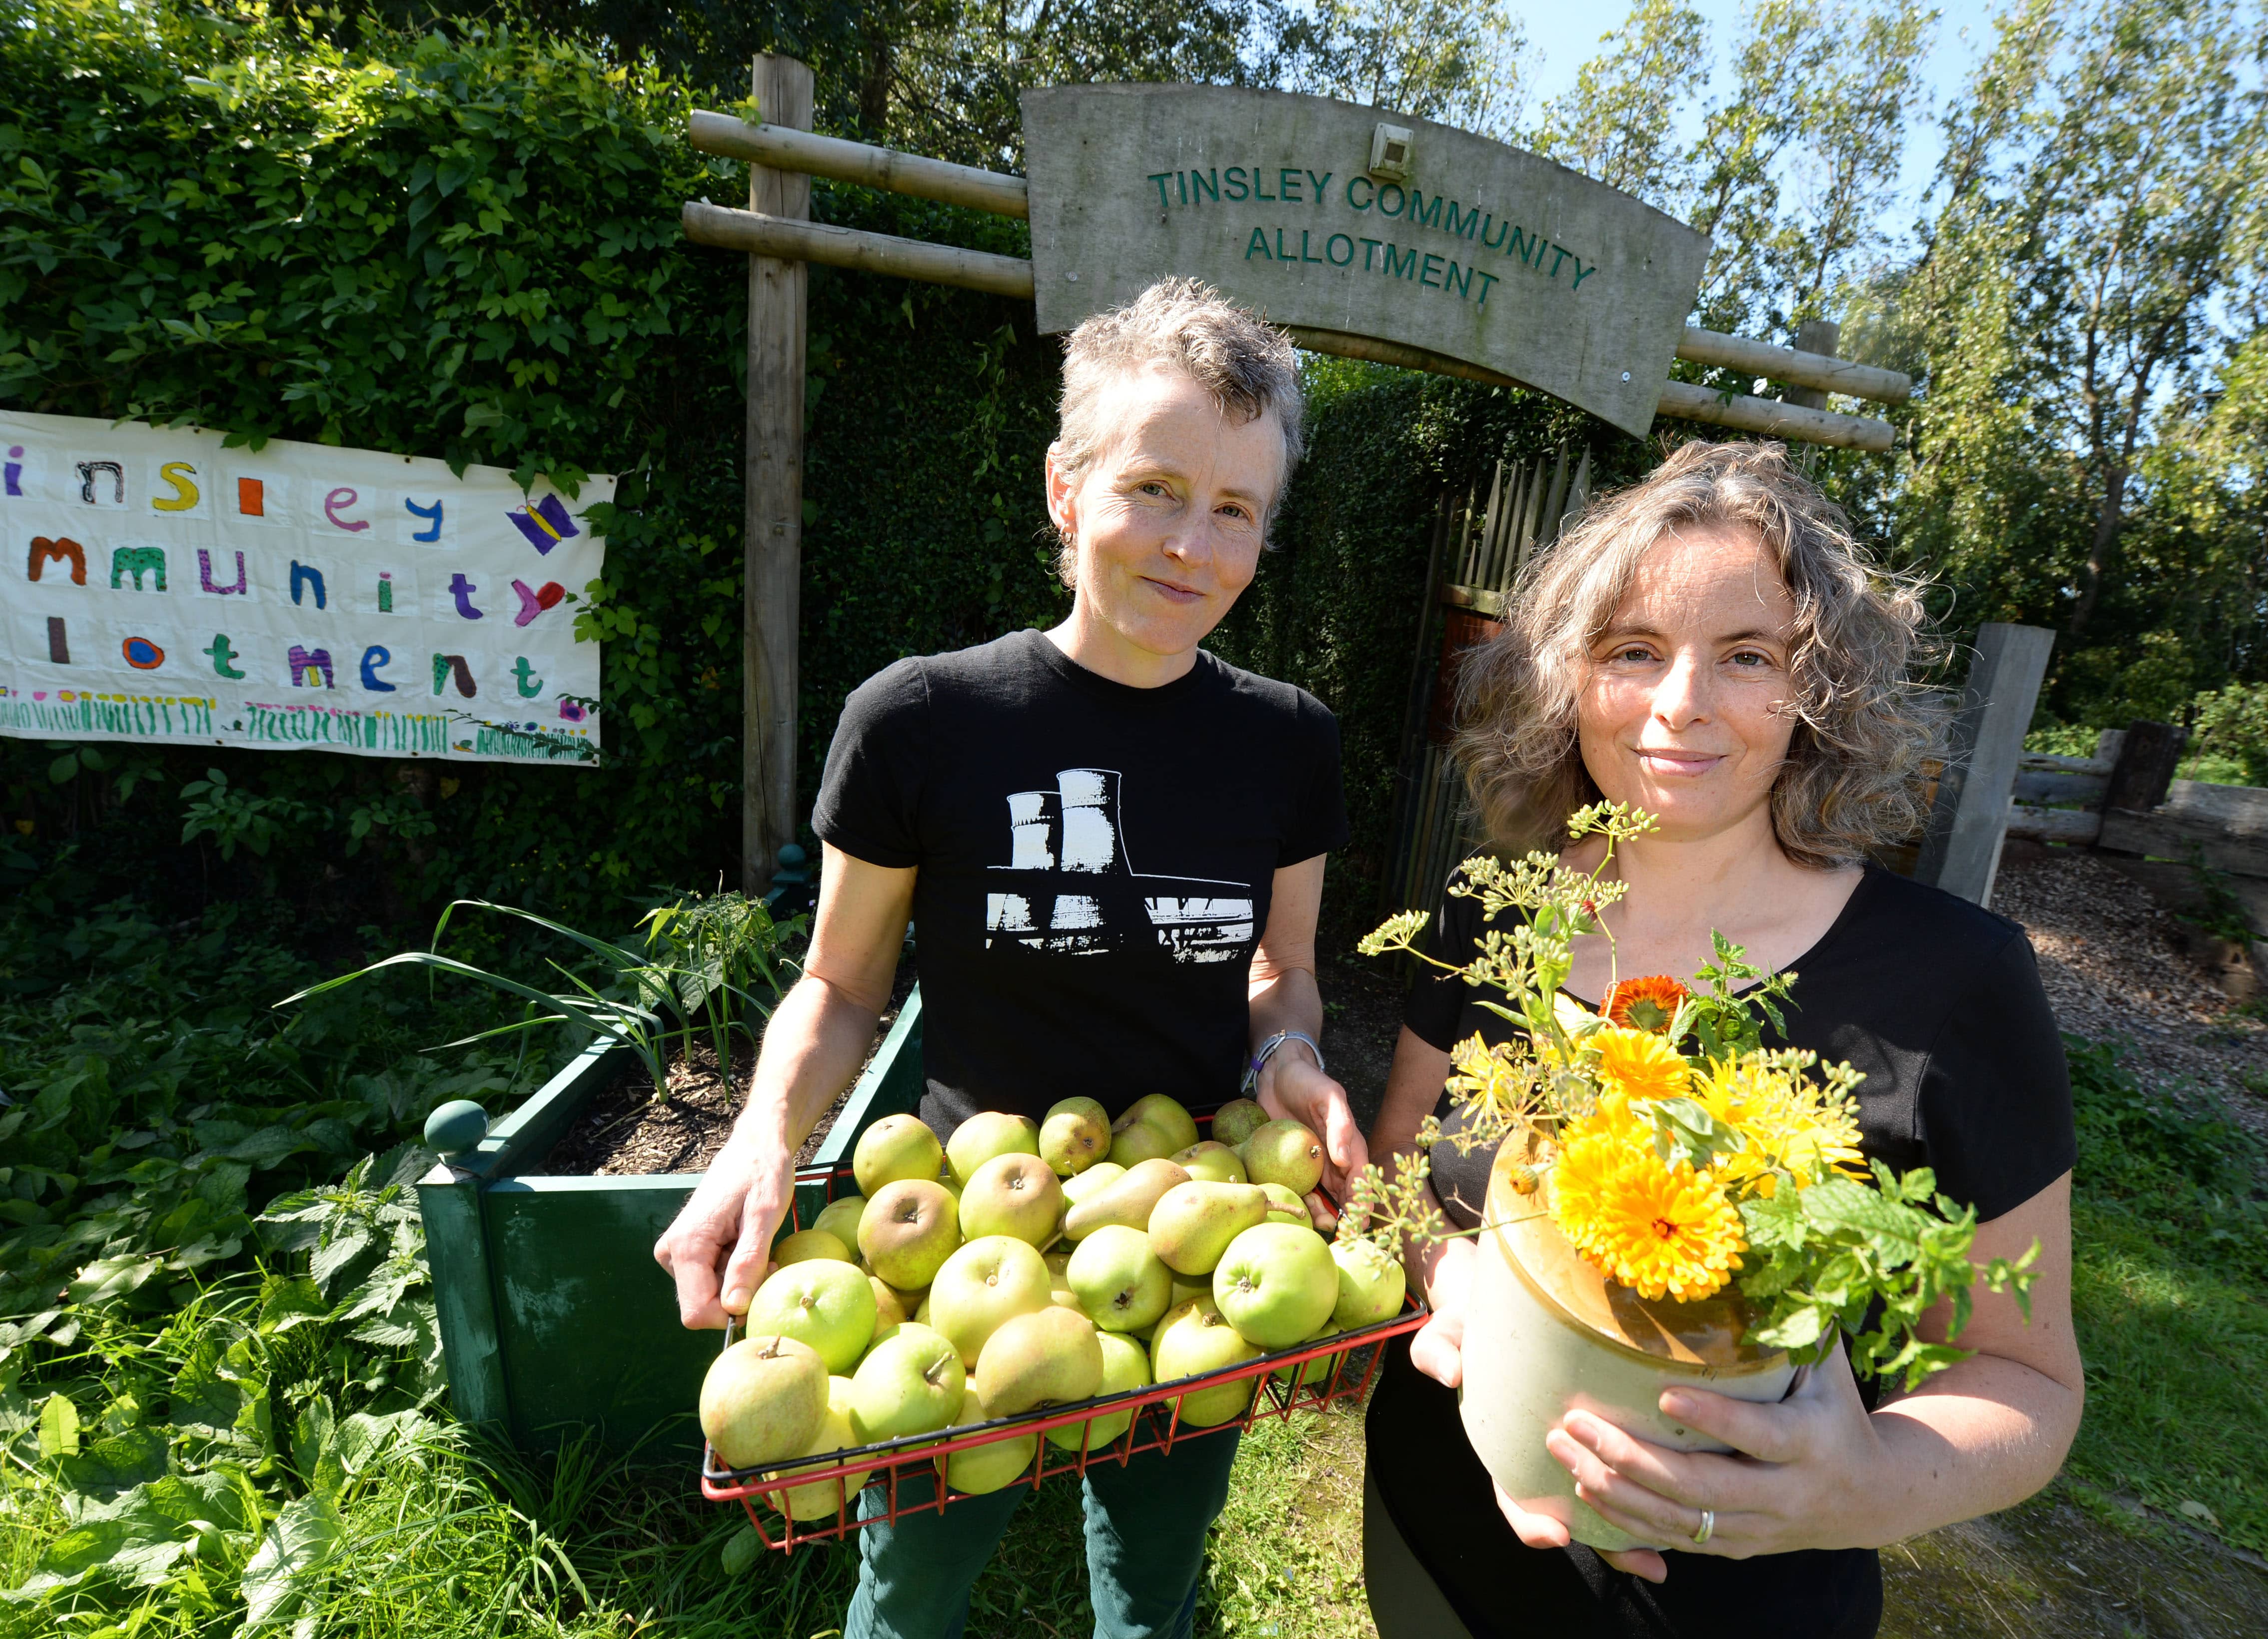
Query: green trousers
[{"x": 1145, "y": 1533}]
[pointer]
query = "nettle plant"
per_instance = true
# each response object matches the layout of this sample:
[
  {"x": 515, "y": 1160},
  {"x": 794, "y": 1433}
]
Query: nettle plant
[{"x": 1677, "y": 1153}]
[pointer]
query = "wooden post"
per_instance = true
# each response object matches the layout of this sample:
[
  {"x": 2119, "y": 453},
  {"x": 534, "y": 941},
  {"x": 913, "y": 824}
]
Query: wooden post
[
  {"x": 2145, "y": 769},
  {"x": 773, "y": 525},
  {"x": 1813, "y": 335},
  {"x": 1961, "y": 851}
]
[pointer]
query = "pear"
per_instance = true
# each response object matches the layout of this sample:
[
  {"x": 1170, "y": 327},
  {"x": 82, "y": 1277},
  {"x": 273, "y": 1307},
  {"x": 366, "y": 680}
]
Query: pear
[
  {"x": 1216, "y": 1163},
  {"x": 1285, "y": 1153},
  {"x": 1197, "y": 1338},
  {"x": 987, "y": 1134},
  {"x": 909, "y": 1383},
  {"x": 1039, "y": 1359},
  {"x": 1237, "y": 1120},
  {"x": 1153, "y": 1127},
  {"x": 1189, "y": 1292},
  {"x": 764, "y": 1399},
  {"x": 1075, "y": 1137},
  {"x": 1059, "y": 1291},
  {"x": 895, "y": 1147},
  {"x": 1316, "y": 1370},
  {"x": 1125, "y": 1367},
  {"x": 1128, "y": 1200},
  {"x": 1284, "y": 1207},
  {"x": 1096, "y": 1179},
  {"x": 1193, "y": 1222},
  {"x": 892, "y": 1307},
  {"x": 982, "y": 1469},
  {"x": 822, "y": 1498}
]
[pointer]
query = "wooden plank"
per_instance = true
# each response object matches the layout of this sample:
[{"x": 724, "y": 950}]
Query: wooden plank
[
  {"x": 854, "y": 247},
  {"x": 772, "y": 527},
  {"x": 2041, "y": 762},
  {"x": 783, "y": 148},
  {"x": 1803, "y": 367},
  {"x": 2048, "y": 789},
  {"x": 1817, "y": 338},
  {"x": 2242, "y": 809},
  {"x": 2184, "y": 838},
  {"x": 2055, "y": 824},
  {"x": 1961, "y": 851},
  {"x": 1775, "y": 416}
]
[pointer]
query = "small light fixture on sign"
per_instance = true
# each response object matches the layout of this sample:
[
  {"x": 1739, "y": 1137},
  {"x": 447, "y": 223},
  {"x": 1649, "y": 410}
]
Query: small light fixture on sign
[
  {"x": 1626, "y": 375},
  {"x": 1072, "y": 277},
  {"x": 1390, "y": 151}
]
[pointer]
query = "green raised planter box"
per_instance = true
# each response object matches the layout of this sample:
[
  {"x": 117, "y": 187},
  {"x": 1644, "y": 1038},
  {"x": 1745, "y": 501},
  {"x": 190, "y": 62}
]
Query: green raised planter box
[{"x": 553, "y": 1315}]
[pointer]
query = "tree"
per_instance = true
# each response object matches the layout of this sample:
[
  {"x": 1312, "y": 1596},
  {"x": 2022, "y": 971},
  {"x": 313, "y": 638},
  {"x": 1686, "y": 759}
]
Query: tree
[
  {"x": 1618, "y": 123},
  {"x": 1460, "y": 61}
]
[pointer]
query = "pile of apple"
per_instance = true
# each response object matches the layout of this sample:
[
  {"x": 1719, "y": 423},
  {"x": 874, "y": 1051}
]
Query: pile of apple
[{"x": 1023, "y": 1266}]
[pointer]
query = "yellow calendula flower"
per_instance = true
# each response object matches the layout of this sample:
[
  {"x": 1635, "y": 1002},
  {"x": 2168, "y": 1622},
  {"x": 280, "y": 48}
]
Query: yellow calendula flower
[
  {"x": 1790, "y": 1124},
  {"x": 1639, "y": 1064},
  {"x": 1658, "y": 1228}
]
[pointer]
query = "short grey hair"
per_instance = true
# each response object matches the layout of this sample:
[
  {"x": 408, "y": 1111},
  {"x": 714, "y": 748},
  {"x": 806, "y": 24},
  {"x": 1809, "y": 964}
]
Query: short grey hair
[
  {"x": 1248, "y": 367},
  {"x": 1851, "y": 783}
]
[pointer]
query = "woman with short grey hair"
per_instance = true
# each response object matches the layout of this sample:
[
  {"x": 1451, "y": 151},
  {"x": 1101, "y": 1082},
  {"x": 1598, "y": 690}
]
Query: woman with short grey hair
[
  {"x": 1712, "y": 646},
  {"x": 1112, "y": 846}
]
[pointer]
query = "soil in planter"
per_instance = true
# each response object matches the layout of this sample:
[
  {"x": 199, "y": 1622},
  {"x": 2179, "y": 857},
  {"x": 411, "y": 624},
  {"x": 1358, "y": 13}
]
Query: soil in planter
[{"x": 625, "y": 1131}]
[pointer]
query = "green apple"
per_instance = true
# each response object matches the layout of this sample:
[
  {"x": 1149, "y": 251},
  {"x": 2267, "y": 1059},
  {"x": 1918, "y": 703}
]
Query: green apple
[
  {"x": 764, "y": 1399},
  {"x": 985, "y": 1468},
  {"x": 1237, "y": 1120},
  {"x": 1192, "y": 1224},
  {"x": 1197, "y": 1338},
  {"x": 1371, "y": 1284},
  {"x": 891, "y": 1306},
  {"x": 986, "y": 1133},
  {"x": 910, "y": 1228},
  {"x": 1277, "y": 1283},
  {"x": 1189, "y": 1290},
  {"x": 895, "y": 1147},
  {"x": 1059, "y": 1291},
  {"x": 1128, "y": 1200},
  {"x": 805, "y": 1245},
  {"x": 990, "y": 1280},
  {"x": 827, "y": 1305},
  {"x": 1285, "y": 1153},
  {"x": 1216, "y": 1163},
  {"x": 909, "y": 1383},
  {"x": 1122, "y": 1284},
  {"x": 1074, "y": 1136},
  {"x": 1316, "y": 1370},
  {"x": 1100, "y": 1176},
  {"x": 1284, "y": 1207},
  {"x": 1125, "y": 1367},
  {"x": 822, "y": 1498},
  {"x": 1153, "y": 1127},
  {"x": 1039, "y": 1359},
  {"x": 1013, "y": 1194},
  {"x": 840, "y": 1218}
]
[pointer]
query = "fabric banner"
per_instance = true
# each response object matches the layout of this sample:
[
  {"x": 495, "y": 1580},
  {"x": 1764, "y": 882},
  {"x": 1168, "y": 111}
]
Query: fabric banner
[{"x": 300, "y": 597}]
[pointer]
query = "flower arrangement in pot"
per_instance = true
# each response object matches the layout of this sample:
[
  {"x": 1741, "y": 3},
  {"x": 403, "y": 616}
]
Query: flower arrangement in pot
[{"x": 1671, "y": 1201}]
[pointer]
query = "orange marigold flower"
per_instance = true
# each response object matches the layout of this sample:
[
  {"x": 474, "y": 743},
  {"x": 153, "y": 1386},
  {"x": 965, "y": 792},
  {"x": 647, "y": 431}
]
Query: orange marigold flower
[
  {"x": 1647, "y": 1003},
  {"x": 1661, "y": 1230},
  {"x": 1638, "y": 1064}
]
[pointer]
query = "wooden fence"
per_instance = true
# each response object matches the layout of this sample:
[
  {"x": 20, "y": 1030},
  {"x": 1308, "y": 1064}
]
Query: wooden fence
[{"x": 2125, "y": 800}]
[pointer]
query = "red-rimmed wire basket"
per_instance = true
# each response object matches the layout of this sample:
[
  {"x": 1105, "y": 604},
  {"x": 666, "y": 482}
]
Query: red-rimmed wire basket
[{"x": 903, "y": 1474}]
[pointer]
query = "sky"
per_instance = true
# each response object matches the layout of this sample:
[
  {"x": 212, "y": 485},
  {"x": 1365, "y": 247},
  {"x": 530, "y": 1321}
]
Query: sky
[{"x": 1561, "y": 38}]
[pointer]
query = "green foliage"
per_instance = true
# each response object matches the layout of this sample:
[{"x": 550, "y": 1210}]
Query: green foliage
[{"x": 2169, "y": 1232}]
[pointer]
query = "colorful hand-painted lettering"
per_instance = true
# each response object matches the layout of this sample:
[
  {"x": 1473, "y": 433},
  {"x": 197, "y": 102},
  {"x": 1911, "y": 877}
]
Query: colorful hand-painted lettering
[{"x": 165, "y": 587}]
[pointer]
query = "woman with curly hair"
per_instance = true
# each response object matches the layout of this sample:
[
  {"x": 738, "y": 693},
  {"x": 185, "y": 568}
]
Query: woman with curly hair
[{"x": 1711, "y": 645}]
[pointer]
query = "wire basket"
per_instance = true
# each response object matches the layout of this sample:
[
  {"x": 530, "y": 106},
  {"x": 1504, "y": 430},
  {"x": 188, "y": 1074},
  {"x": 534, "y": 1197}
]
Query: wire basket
[{"x": 904, "y": 1477}]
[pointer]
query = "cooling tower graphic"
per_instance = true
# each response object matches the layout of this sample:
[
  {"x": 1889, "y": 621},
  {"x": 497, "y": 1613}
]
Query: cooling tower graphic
[{"x": 1068, "y": 888}]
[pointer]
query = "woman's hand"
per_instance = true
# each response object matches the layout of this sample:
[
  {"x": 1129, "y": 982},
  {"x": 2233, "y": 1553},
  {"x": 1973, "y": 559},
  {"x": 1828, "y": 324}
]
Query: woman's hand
[
  {"x": 1802, "y": 1474},
  {"x": 1437, "y": 1348},
  {"x": 1293, "y": 1086}
]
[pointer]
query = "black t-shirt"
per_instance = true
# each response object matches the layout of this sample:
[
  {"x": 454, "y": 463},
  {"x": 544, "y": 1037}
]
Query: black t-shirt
[
  {"x": 1939, "y": 1004},
  {"x": 1095, "y": 863}
]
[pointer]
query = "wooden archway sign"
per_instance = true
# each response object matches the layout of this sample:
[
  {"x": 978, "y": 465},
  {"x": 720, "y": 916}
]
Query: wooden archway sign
[{"x": 1232, "y": 168}]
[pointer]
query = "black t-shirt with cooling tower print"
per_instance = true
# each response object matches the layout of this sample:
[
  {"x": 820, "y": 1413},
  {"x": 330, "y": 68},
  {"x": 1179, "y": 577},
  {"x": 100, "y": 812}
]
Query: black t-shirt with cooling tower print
[
  {"x": 1095, "y": 863},
  {"x": 1939, "y": 1004}
]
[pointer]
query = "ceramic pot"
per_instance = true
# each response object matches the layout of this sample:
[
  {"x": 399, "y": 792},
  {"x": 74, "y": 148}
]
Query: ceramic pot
[{"x": 1546, "y": 1333}]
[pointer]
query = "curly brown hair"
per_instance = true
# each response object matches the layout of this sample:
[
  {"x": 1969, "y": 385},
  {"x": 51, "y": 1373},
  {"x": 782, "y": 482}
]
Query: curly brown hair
[{"x": 1851, "y": 783}]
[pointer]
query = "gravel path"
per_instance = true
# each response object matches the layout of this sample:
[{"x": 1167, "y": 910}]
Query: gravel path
[{"x": 2111, "y": 957}]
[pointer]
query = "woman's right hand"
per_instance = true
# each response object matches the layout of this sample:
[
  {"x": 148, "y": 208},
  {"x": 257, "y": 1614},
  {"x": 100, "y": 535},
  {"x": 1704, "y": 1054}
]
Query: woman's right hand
[{"x": 1437, "y": 1348}]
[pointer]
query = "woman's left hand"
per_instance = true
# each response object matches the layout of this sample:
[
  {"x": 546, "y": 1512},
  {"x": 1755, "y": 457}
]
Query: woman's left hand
[
  {"x": 1797, "y": 1476},
  {"x": 1294, "y": 1086}
]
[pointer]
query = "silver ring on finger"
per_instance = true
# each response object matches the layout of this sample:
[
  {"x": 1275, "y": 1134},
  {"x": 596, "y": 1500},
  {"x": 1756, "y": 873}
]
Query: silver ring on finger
[{"x": 1707, "y": 1528}]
